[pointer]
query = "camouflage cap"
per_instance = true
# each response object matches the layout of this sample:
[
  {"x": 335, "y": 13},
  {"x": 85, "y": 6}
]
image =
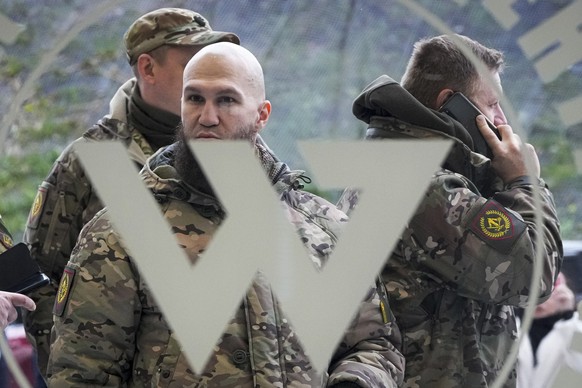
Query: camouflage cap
[{"x": 173, "y": 26}]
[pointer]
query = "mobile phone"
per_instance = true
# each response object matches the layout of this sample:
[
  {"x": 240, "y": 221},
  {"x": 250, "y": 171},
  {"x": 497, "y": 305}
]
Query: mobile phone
[
  {"x": 464, "y": 111},
  {"x": 19, "y": 272}
]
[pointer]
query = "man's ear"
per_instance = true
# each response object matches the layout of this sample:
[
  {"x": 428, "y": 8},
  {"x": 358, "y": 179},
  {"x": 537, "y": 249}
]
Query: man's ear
[
  {"x": 145, "y": 68},
  {"x": 264, "y": 113},
  {"x": 443, "y": 96}
]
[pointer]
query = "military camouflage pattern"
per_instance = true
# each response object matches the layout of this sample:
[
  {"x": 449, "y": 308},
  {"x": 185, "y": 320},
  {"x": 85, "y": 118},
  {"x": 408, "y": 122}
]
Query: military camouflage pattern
[
  {"x": 5, "y": 237},
  {"x": 173, "y": 26},
  {"x": 457, "y": 272},
  {"x": 64, "y": 203},
  {"x": 134, "y": 347}
]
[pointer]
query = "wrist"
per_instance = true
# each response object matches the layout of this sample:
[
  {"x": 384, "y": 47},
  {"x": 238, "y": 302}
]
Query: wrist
[{"x": 525, "y": 180}]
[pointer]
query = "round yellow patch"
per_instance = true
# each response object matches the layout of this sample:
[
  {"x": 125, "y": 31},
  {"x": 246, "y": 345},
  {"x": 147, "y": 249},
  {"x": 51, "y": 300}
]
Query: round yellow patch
[
  {"x": 6, "y": 240},
  {"x": 63, "y": 289},
  {"x": 37, "y": 204},
  {"x": 495, "y": 224}
]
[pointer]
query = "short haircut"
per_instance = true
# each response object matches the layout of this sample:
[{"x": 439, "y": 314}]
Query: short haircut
[
  {"x": 438, "y": 63},
  {"x": 159, "y": 54}
]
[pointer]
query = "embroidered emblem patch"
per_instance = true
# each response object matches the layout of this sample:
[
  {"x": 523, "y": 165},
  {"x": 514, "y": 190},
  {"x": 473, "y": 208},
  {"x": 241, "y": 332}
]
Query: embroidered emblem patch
[
  {"x": 36, "y": 209},
  {"x": 383, "y": 311},
  {"x": 497, "y": 227},
  {"x": 495, "y": 224},
  {"x": 6, "y": 240},
  {"x": 64, "y": 291}
]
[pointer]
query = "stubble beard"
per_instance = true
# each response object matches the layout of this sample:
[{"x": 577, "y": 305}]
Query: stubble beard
[{"x": 187, "y": 165}]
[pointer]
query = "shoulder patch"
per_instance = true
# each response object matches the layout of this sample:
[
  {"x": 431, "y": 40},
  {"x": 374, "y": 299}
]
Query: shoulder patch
[
  {"x": 5, "y": 237},
  {"x": 497, "y": 227},
  {"x": 385, "y": 311},
  {"x": 64, "y": 290},
  {"x": 6, "y": 240},
  {"x": 37, "y": 206}
]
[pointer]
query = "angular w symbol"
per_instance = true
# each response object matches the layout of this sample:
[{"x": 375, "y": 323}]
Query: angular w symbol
[{"x": 198, "y": 301}]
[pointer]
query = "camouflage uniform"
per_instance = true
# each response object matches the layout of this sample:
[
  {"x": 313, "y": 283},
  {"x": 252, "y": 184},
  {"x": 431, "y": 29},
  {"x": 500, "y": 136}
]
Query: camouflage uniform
[
  {"x": 5, "y": 238},
  {"x": 66, "y": 200},
  {"x": 465, "y": 259},
  {"x": 135, "y": 347},
  {"x": 64, "y": 203}
]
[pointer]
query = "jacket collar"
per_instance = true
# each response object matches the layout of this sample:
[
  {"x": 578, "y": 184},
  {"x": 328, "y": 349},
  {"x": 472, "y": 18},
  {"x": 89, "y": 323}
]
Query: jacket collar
[{"x": 162, "y": 178}]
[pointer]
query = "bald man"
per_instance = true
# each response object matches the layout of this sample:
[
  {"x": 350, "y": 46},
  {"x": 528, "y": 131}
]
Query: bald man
[{"x": 223, "y": 97}]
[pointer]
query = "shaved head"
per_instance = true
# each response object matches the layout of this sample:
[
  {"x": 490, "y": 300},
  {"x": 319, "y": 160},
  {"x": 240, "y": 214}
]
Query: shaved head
[
  {"x": 223, "y": 98},
  {"x": 226, "y": 59}
]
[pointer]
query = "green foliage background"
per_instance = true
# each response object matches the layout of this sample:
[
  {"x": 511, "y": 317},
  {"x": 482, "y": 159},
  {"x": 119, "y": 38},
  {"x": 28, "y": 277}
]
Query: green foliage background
[{"x": 317, "y": 57}]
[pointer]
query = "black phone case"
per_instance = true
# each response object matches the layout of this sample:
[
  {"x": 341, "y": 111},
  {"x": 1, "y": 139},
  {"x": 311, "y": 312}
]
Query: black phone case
[
  {"x": 19, "y": 272},
  {"x": 461, "y": 109}
]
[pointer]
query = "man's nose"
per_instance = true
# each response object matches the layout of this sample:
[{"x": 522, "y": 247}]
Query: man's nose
[
  {"x": 499, "y": 117},
  {"x": 209, "y": 116}
]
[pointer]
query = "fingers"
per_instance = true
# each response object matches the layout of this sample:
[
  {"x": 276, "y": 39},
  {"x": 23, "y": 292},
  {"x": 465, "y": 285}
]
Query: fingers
[
  {"x": 20, "y": 300},
  {"x": 12, "y": 315},
  {"x": 9, "y": 301},
  {"x": 512, "y": 157},
  {"x": 8, "y": 312},
  {"x": 13, "y": 299},
  {"x": 532, "y": 160},
  {"x": 488, "y": 134}
]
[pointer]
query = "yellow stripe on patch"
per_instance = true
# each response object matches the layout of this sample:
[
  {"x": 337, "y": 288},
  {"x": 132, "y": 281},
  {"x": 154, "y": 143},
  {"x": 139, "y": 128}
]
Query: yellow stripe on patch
[{"x": 383, "y": 311}]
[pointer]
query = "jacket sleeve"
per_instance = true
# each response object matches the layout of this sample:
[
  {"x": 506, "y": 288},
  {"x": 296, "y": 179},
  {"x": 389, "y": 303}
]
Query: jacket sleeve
[
  {"x": 484, "y": 248},
  {"x": 64, "y": 203},
  {"x": 96, "y": 313},
  {"x": 369, "y": 354}
]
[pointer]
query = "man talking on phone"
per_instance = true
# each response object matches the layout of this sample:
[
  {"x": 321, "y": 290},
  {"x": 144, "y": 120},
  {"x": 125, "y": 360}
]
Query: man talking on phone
[{"x": 465, "y": 259}]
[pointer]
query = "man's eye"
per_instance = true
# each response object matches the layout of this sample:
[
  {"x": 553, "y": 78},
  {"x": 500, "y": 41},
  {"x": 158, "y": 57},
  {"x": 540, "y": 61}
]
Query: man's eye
[
  {"x": 226, "y": 100},
  {"x": 195, "y": 98}
]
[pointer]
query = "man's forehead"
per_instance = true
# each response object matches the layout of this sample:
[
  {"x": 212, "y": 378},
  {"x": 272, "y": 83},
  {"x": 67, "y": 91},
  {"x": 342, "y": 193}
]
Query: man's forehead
[
  {"x": 206, "y": 58},
  {"x": 209, "y": 68},
  {"x": 215, "y": 85}
]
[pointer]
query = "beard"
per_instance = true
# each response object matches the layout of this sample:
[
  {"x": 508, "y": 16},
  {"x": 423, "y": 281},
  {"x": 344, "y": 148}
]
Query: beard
[{"x": 187, "y": 165}]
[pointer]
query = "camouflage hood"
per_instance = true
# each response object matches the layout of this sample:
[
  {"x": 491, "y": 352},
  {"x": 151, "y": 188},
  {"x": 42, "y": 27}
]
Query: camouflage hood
[
  {"x": 163, "y": 179},
  {"x": 119, "y": 101},
  {"x": 392, "y": 112},
  {"x": 114, "y": 125},
  {"x": 384, "y": 98}
]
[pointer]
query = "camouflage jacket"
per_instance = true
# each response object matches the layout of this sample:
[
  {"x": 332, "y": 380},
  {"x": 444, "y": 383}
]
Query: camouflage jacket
[
  {"x": 135, "y": 347},
  {"x": 5, "y": 238},
  {"x": 66, "y": 201},
  {"x": 464, "y": 260}
]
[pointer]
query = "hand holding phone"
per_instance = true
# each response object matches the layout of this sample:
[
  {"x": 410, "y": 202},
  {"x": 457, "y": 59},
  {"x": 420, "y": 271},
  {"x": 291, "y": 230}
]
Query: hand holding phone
[{"x": 464, "y": 111}]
